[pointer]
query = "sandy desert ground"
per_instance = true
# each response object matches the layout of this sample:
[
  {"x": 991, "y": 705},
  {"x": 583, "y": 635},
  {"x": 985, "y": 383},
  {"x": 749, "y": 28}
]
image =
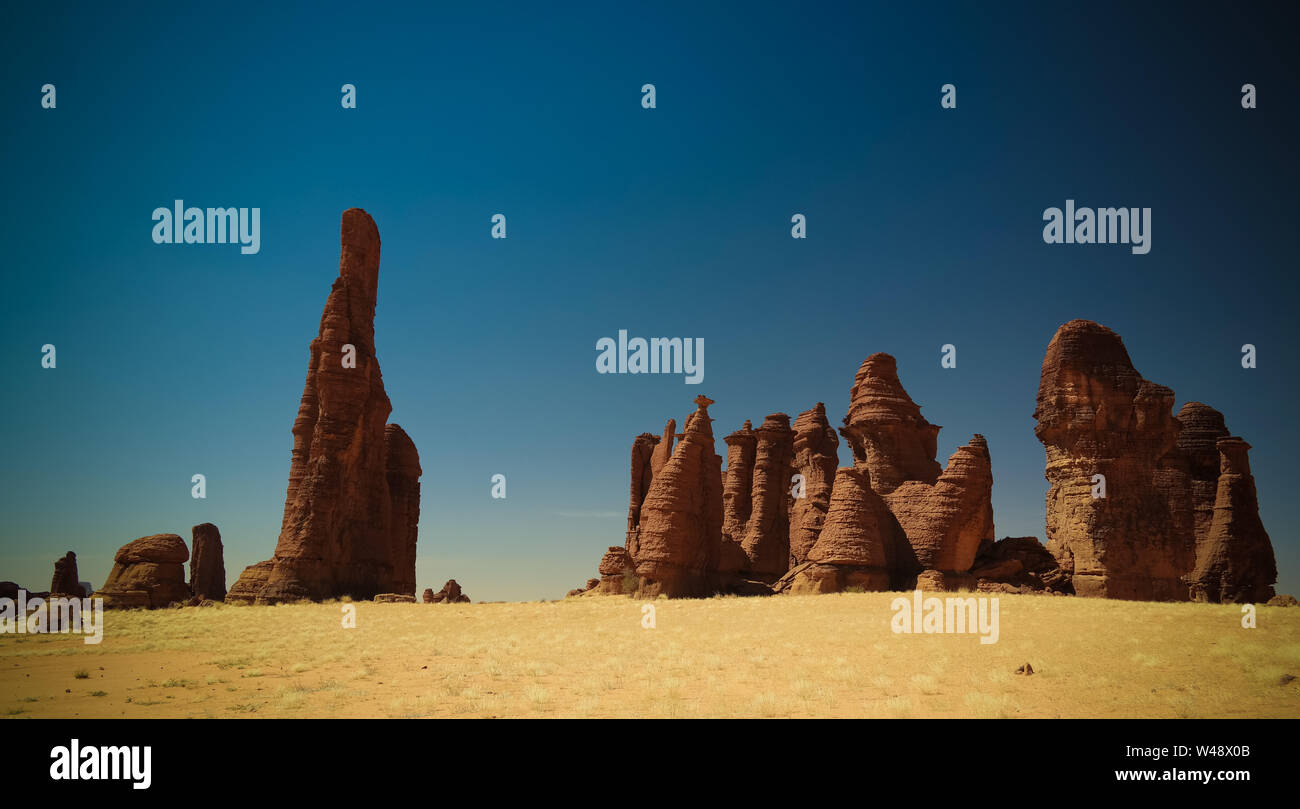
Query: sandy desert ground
[{"x": 801, "y": 656}]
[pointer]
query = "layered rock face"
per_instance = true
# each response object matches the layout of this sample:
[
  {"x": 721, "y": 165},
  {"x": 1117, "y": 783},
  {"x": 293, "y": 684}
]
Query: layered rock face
[
  {"x": 946, "y": 521},
  {"x": 66, "y": 582},
  {"x": 147, "y": 572},
  {"x": 856, "y": 545},
  {"x": 250, "y": 583},
  {"x": 766, "y": 540},
  {"x": 1097, "y": 416},
  {"x": 1235, "y": 563},
  {"x": 643, "y": 450},
  {"x": 207, "y": 563},
  {"x": 1174, "y": 521},
  {"x": 1202, "y": 427},
  {"x": 816, "y": 457},
  {"x": 885, "y": 429},
  {"x": 615, "y": 567},
  {"x": 738, "y": 496},
  {"x": 681, "y": 518},
  {"x": 343, "y": 531}
]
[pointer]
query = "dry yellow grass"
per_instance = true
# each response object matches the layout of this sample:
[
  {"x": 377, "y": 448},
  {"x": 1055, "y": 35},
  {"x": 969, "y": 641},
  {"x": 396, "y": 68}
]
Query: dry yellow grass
[{"x": 808, "y": 656}]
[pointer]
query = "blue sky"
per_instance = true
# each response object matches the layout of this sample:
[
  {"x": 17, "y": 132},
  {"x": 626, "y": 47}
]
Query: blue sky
[{"x": 924, "y": 228}]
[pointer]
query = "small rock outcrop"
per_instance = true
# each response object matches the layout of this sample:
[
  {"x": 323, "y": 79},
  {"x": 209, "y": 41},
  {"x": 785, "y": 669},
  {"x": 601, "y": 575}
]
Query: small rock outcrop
[
  {"x": 1017, "y": 565},
  {"x": 449, "y": 594},
  {"x": 394, "y": 598},
  {"x": 207, "y": 563},
  {"x": 147, "y": 572},
  {"x": 66, "y": 582}
]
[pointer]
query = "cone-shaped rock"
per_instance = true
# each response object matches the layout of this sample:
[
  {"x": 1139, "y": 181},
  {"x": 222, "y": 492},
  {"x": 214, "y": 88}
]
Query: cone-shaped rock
[
  {"x": 886, "y": 430},
  {"x": 1236, "y": 561},
  {"x": 681, "y": 518}
]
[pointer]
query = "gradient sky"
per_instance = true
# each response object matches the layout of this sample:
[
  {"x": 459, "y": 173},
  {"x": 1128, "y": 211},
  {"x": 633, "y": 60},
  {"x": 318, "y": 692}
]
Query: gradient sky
[{"x": 924, "y": 228}]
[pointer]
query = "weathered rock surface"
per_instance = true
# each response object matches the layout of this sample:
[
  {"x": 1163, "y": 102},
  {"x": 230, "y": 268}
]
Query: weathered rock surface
[
  {"x": 1283, "y": 601},
  {"x": 855, "y": 547},
  {"x": 946, "y": 521},
  {"x": 402, "y": 462},
  {"x": 9, "y": 589},
  {"x": 1235, "y": 563},
  {"x": 1097, "y": 416},
  {"x": 428, "y": 595},
  {"x": 816, "y": 457},
  {"x": 681, "y": 518},
  {"x": 642, "y": 472},
  {"x": 737, "y": 497},
  {"x": 1202, "y": 427},
  {"x": 766, "y": 540},
  {"x": 394, "y": 598},
  {"x": 343, "y": 532},
  {"x": 449, "y": 594},
  {"x": 250, "y": 583},
  {"x": 617, "y": 573},
  {"x": 885, "y": 429},
  {"x": 207, "y": 563},
  {"x": 66, "y": 582},
  {"x": 147, "y": 572}
]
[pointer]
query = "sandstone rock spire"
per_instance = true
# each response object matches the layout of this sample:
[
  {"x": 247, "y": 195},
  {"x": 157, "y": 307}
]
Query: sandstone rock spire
[
  {"x": 681, "y": 518},
  {"x": 207, "y": 563},
  {"x": 816, "y": 457},
  {"x": 337, "y": 535}
]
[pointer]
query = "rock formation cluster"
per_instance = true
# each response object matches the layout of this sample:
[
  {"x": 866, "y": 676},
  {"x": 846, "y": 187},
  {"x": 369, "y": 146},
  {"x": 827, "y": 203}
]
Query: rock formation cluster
[
  {"x": 449, "y": 594},
  {"x": 1143, "y": 504},
  {"x": 785, "y": 518},
  {"x": 352, "y": 505}
]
